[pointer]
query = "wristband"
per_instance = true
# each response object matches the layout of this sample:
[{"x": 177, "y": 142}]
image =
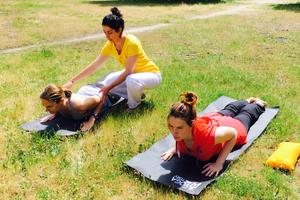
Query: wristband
[{"x": 95, "y": 115}]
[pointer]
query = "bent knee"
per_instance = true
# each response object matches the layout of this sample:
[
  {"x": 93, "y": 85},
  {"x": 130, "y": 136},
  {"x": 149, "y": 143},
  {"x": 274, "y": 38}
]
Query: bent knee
[{"x": 132, "y": 82}]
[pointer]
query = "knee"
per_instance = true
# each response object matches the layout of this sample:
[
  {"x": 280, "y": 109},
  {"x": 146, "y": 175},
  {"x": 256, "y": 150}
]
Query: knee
[{"x": 131, "y": 81}]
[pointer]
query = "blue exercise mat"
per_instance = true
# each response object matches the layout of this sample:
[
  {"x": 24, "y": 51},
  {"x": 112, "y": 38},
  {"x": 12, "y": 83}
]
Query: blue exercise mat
[{"x": 185, "y": 173}]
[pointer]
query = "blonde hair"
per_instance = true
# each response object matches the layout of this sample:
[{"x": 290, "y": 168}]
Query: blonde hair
[
  {"x": 54, "y": 93},
  {"x": 185, "y": 109}
]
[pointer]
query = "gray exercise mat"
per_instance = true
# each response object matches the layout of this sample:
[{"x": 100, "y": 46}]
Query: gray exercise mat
[
  {"x": 59, "y": 125},
  {"x": 185, "y": 173}
]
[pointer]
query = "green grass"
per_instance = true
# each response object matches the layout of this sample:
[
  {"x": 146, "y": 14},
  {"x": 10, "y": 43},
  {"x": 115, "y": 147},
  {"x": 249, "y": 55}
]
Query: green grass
[
  {"x": 249, "y": 188},
  {"x": 34, "y": 22},
  {"x": 234, "y": 56}
]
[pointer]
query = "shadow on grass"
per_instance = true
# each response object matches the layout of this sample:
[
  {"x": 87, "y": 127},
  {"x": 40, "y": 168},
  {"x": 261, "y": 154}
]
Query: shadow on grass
[
  {"x": 291, "y": 7},
  {"x": 153, "y": 2},
  {"x": 119, "y": 111},
  {"x": 46, "y": 135}
]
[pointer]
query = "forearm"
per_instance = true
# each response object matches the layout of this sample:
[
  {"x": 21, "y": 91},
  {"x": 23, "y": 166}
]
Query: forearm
[
  {"x": 119, "y": 80},
  {"x": 226, "y": 150},
  {"x": 92, "y": 67},
  {"x": 98, "y": 109},
  {"x": 84, "y": 73},
  {"x": 129, "y": 68},
  {"x": 96, "y": 112}
]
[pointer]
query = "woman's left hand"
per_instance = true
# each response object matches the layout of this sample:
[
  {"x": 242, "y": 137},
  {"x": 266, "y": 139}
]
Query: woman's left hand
[
  {"x": 86, "y": 126},
  {"x": 212, "y": 168}
]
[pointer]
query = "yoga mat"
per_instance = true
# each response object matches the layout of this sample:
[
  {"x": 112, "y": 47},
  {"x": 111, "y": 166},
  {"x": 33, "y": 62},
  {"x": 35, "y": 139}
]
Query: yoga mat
[{"x": 185, "y": 173}]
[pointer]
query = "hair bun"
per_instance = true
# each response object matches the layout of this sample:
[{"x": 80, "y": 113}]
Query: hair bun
[
  {"x": 116, "y": 11},
  {"x": 189, "y": 98}
]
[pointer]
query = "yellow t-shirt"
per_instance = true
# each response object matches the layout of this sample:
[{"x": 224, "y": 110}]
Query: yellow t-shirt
[{"x": 132, "y": 46}]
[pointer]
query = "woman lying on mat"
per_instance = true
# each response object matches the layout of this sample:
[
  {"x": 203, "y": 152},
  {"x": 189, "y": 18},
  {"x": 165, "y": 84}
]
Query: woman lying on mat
[
  {"x": 86, "y": 103},
  {"x": 140, "y": 72},
  {"x": 214, "y": 134}
]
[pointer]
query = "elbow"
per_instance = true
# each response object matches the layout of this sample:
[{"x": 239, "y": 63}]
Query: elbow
[{"x": 234, "y": 134}]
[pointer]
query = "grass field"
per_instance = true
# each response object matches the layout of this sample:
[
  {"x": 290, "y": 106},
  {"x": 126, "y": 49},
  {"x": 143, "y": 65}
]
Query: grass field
[
  {"x": 34, "y": 22},
  {"x": 250, "y": 54}
]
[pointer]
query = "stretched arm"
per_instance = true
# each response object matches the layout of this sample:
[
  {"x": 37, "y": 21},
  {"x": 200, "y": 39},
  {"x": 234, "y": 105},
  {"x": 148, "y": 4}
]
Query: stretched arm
[
  {"x": 130, "y": 65},
  {"x": 92, "y": 67},
  {"x": 229, "y": 136}
]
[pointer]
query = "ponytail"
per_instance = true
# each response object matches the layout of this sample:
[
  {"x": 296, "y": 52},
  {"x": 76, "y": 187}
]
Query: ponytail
[
  {"x": 54, "y": 93},
  {"x": 67, "y": 93},
  {"x": 185, "y": 109}
]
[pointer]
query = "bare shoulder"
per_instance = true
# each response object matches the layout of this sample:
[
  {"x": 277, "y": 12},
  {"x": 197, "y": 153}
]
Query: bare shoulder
[
  {"x": 82, "y": 102},
  {"x": 76, "y": 101}
]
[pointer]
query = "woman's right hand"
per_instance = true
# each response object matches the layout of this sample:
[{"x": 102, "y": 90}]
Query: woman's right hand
[
  {"x": 169, "y": 154},
  {"x": 68, "y": 85},
  {"x": 104, "y": 90},
  {"x": 47, "y": 118}
]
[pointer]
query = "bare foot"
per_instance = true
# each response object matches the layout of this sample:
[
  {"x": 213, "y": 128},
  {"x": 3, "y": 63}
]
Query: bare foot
[{"x": 260, "y": 102}]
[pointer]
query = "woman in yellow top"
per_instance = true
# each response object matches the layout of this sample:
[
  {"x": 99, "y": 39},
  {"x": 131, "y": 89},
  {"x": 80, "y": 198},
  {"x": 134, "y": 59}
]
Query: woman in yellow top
[{"x": 140, "y": 72}]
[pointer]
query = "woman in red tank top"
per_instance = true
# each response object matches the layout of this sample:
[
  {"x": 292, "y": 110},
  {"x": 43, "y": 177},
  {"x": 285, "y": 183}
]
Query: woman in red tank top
[{"x": 214, "y": 134}]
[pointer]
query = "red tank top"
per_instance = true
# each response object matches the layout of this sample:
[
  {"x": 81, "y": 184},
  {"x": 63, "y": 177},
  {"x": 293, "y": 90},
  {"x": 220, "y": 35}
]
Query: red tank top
[{"x": 204, "y": 128}]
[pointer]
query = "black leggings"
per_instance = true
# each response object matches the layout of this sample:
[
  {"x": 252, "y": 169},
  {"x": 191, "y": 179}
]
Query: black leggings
[{"x": 247, "y": 113}]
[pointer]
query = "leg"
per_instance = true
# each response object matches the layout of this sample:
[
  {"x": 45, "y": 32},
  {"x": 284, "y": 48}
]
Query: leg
[
  {"x": 137, "y": 82},
  {"x": 109, "y": 78},
  {"x": 120, "y": 90},
  {"x": 233, "y": 108},
  {"x": 249, "y": 114}
]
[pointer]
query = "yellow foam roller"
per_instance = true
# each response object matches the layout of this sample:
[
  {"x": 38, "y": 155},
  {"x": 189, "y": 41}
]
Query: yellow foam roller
[{"x": 285, "y": 157}]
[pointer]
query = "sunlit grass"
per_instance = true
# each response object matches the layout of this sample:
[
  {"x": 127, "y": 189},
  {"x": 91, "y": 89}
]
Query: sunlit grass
[
  {"x": 234, "y": 56},
  {"x": 36, "y": 22}
]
